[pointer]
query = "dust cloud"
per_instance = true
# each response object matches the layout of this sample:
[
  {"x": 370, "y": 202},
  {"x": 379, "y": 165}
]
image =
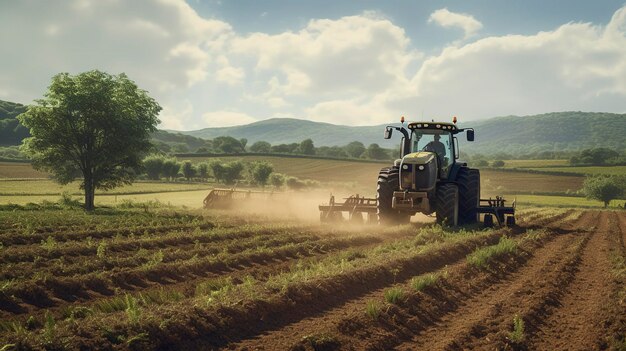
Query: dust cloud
[{"x": 297, "y": 205}]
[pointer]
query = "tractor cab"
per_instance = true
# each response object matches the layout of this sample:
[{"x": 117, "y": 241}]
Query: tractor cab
[
  {"x": 438, "y": 141},
  {"x": 436, "y": 138}
]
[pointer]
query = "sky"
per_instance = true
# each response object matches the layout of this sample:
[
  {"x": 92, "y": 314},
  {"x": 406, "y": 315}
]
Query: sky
[{"x": 214, "y": 63}]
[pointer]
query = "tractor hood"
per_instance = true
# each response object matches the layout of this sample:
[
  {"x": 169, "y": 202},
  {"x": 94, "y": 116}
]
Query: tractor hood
[{"x": 418, "y": 158}]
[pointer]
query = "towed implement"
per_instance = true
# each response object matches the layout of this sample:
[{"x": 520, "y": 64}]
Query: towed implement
[
  {"x": 225, "y": 198},
  {"x": 355, "y": 206}
]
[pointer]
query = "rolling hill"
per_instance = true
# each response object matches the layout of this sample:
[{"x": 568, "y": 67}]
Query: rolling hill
[
  {"x": 291, "y": 130},
  {"x": 560, "y": 131}
]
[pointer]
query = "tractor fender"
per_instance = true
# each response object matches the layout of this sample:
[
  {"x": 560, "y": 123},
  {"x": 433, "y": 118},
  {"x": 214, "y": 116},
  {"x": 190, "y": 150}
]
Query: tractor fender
[{"x": 454, "y": 170}]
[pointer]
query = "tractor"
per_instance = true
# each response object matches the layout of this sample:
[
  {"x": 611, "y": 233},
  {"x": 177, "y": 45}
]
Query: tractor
[{"x": 428, "y": 178}]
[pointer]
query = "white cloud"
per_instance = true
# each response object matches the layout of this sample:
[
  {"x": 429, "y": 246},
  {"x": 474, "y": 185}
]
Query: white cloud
[
  {"x": 226, "y": 118},
  {"x": 163, "y": 45},
  {"x": 230, "y": 75},
  {"x": 177, "y": 115},
  {"x": 359, "y": 69},
  {"x": 350, "y": 55},
  {"x": 447, "y": 19},
  {"x": 578, "y": 66}
]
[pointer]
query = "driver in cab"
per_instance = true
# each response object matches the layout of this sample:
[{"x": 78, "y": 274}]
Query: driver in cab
[{"x": 437, "y": 147}]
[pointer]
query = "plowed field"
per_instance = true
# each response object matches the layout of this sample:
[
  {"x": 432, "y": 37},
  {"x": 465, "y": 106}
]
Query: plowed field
[{"x": 195, "y": 281}]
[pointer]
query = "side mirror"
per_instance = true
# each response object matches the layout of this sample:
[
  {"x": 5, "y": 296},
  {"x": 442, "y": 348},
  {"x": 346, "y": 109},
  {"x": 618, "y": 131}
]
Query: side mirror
[
  {"x": 470, "y": 135},
  {"x": 456, "y": 148},
  {"x": 388, "y": 131}
]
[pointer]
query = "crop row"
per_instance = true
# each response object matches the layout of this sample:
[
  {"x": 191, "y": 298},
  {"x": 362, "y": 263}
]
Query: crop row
[
  {"x": 339, "y": 276},
  {"x": 108, "y": 259},
  {"x": 51, "y": 249},
  {"x": 468, "y": 283},
  {"x": 42, "y": 292}
]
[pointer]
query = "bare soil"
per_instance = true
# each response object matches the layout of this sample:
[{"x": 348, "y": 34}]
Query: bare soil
[{"x": 565, "y": 280}]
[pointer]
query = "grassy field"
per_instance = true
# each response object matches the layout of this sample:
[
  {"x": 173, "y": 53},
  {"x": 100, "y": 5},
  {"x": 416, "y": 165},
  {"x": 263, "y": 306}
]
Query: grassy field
[
  {"x": 591, "y": 170},
  {"x": 191, "y": 198},
  {"x": 49, "y": 187},
  {"x": 320, "y": 170},
  {"x": 19, "y": 170},
  {"x": 562, "y": 201},
  {"x": 534, "y": 163},
  {"x": 338, "y": 177}
]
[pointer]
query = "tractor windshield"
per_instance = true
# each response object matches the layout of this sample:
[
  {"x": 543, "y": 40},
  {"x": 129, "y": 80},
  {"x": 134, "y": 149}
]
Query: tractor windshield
[{"x": 433, "y": 140}]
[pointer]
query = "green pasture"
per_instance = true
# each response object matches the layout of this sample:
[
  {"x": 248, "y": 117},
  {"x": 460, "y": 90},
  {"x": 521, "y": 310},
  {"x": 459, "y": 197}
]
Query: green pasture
[
  {"x": 49, "y": 187},
  {"x": 562, "y": 201},
  {"x": 191, "y": 198},
  {"x": 534, "y": 163},
  {"x": 587, "y": 170}
]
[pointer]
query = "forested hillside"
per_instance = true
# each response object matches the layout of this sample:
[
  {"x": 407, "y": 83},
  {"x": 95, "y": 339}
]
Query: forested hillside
[
  {"x": 513, "y": 135},
  {"x": 11, "y": 131}
]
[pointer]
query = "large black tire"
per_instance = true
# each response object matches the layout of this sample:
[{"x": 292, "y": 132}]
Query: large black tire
[
  {"x": 468, "y": 181},
  {"x": 447, "y": 204},
  {"x": 388, "y": 182}
]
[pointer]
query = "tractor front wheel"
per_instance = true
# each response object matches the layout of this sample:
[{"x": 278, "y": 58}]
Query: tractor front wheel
[
  {"x": 388, "y": 182},
  {"x": 447, "y": 205}
]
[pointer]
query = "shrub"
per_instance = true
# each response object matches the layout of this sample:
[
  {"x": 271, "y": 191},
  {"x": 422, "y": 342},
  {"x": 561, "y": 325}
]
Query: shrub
[
  {"x": 203, "y": 170},
  {"x": 497, "y": 164},
  {"x": 170, "y": 168},
  {"x": 295, "y": 183},
  {"x": 277, "y": 180},
  {"x": 260, "y": 172},
  {"x": 189, "y": 170},
  {"x": 153, "y": 166}
]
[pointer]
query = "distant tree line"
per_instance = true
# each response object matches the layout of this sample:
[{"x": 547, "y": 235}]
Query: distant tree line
[
  {"x": 598, "y": 157},
  {"x": 230, "y": 145},
  {"x": 259, "y": 173}
]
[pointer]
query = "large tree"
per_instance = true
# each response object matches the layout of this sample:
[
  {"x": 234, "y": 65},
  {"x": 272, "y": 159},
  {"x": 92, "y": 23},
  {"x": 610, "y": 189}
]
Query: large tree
[
  {"x": 92, "y": 125},
  {"x": 603, "y": 188}
]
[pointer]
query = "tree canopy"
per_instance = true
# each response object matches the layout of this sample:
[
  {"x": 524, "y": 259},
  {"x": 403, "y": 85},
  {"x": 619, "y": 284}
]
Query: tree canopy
[
  {"x": 603, "y": 189},
  {"x": 92, "y": 125}
]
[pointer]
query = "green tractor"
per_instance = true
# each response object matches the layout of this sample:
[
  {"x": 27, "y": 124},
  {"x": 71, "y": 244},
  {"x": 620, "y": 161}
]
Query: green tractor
[{"x": 428, "y": 178}]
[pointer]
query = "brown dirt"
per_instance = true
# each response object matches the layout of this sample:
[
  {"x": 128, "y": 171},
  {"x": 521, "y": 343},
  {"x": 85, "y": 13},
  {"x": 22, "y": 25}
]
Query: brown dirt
[
  {"x": 578, "y": 321},
  {"x": 561, "y": 282},
  {"x": 561, "y": 289}
]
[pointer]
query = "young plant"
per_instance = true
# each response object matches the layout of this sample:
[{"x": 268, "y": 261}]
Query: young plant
[
  {"x": 394, "y": 295},
  {"x": 419, "y": 283},
  {"x": 132, "y": 309},
  {"x": 372, "y": 309},
  {"x": 101, "y": 251},
  {"x": 48, "y": 327},
  {"x": 481, "y": 257},
  {"x": 517, "y": 335},
  {"x": 49, "y": 244}
]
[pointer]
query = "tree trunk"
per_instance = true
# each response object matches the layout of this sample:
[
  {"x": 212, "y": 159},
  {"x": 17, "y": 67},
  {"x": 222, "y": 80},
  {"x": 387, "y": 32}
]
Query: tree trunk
[{"x": 89, "y": 194}]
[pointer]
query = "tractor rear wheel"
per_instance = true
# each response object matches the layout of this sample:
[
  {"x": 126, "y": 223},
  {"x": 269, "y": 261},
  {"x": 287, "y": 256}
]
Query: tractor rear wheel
[
  {"x": 388, "y": 182},
  {"x": 468, "y": 181},
  {"x": 447, "y": 204}
]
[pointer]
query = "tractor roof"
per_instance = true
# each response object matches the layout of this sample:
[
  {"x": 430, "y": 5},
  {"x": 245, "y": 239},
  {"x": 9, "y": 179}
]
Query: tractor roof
[{"x": 451, "y": 127}]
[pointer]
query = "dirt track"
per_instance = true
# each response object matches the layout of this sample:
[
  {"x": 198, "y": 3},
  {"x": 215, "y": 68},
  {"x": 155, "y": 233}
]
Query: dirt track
[{"x": 562, "y": 285}]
